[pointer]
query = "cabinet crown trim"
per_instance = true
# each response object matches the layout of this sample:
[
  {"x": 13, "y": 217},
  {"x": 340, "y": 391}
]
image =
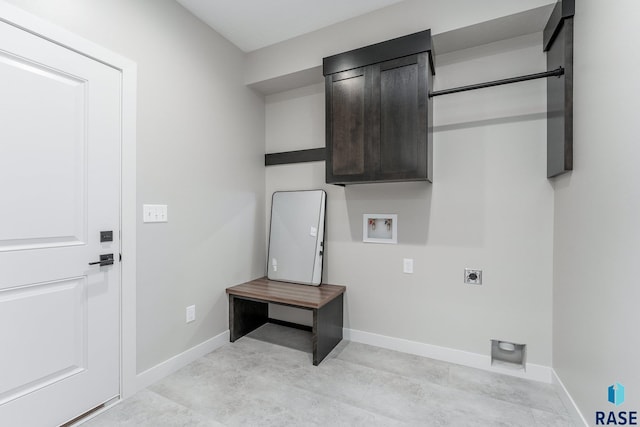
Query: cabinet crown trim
[
  {"x": 563, "y": 10},
  {"x": 380, "y": 52}
]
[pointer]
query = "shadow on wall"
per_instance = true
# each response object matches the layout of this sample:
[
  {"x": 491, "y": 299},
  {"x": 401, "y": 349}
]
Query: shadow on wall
[
  {"x": 459, "y": 189},
  {"x": 469, "y": 124},
  {"x": 411, "y": 201}
]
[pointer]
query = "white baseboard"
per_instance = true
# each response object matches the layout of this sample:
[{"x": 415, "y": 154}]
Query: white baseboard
[
  {"x": 169, "y": 366},
  {"x": 568, "y": 401},
  {"x": 474, "y": 360}
]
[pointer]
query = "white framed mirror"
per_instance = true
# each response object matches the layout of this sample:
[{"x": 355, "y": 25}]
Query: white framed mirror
[{"x": 296, "y": 236}]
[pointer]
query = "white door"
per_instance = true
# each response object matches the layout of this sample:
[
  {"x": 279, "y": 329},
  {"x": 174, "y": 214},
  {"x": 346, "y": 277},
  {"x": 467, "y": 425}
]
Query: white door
[{"x": 60, "y": 138}]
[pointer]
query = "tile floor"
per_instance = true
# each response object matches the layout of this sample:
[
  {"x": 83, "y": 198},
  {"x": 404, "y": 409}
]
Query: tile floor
[{"x": 267, "y": 379}]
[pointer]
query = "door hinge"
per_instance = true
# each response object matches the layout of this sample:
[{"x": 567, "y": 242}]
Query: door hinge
[{"x": 120, "y": 257}]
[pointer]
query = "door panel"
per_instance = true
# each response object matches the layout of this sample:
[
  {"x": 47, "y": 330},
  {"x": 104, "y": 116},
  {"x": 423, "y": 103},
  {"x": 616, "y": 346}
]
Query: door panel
[
  {"x": 44, "y": 162},
  {"x": 399, "y": 119},
  {"x": 60, "y": 186},
  {"x": 56, "y": 311},
  {"x": 404, "y": 111},
  {"x": 348, "y": 126},
  {"x": 348, "y": 152}
]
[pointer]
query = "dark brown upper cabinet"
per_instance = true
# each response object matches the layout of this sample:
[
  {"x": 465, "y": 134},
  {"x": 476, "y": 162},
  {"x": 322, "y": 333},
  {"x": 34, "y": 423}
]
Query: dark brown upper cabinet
[{"x": 378, "y": 112}]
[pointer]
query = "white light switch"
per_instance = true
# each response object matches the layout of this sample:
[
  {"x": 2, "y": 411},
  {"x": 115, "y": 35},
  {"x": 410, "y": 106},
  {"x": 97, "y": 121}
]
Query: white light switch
[
  {"x": 407, "y": 265},
  {"x": 313, "y": 232},
  {"x": 191, "y": 313},
  {"x": 154, "y": 213}
]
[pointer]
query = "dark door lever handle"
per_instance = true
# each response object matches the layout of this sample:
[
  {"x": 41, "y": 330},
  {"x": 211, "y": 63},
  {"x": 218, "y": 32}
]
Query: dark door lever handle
[{"x": 105, "y": 259}]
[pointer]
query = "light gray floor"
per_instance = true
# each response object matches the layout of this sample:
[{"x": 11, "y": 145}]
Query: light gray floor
[{"x": 267, "y": 379}]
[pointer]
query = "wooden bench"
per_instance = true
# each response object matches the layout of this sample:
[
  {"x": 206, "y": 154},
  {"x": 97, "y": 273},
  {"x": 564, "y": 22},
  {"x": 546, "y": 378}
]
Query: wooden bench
[{"x": 249, "y": 309}]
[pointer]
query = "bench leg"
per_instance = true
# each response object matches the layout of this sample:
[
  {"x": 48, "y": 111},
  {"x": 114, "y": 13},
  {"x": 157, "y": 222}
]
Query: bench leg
[
  {"x": 327, "y": 329},
  {"x": 245, "y": 316}
]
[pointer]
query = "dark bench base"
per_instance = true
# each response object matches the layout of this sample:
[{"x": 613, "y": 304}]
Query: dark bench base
[{"x": 247, "y": 313}]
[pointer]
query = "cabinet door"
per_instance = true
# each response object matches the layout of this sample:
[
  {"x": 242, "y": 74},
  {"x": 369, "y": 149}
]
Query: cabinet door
[
  {"x": 347, "y": 136},
  {"x": 400, "y": 117}
]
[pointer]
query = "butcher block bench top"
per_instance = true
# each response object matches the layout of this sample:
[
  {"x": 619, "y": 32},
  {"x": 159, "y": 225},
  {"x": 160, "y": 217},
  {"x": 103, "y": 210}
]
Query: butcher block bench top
[{"x": 298, "y": 295}]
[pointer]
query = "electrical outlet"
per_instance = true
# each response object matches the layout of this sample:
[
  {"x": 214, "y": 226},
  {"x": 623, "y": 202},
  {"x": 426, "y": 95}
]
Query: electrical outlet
[
  {"x": 472, "y": 276},
  {"x": 407, "y": 265},
  {"x": 191, "y": 313}
]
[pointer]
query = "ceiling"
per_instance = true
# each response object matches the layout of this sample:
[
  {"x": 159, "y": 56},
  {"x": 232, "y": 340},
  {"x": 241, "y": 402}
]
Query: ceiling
[{"x": 253, "y": 24}]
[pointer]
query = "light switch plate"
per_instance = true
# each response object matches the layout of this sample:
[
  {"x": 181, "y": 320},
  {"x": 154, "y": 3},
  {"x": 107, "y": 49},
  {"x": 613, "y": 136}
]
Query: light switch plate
[
  {"x": 154, "y": 213},
  {"x": 191, "y": 313},
  {"x": 407, "y": 265}
]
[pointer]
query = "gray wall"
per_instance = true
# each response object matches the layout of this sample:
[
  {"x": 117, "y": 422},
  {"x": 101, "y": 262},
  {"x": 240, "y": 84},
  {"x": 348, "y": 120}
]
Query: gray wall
[
  {"x": 200, "y": 150},
  {"x": 490, "y": 207},
  {"x": 406, "y": 17},
  {"x": 597, "y": 214}
]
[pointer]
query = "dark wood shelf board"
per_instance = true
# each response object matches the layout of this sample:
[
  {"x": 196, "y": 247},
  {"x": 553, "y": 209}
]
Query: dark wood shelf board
[
  {"x": 297, "y": 295},
  {"x": 298, "y": 156}
]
